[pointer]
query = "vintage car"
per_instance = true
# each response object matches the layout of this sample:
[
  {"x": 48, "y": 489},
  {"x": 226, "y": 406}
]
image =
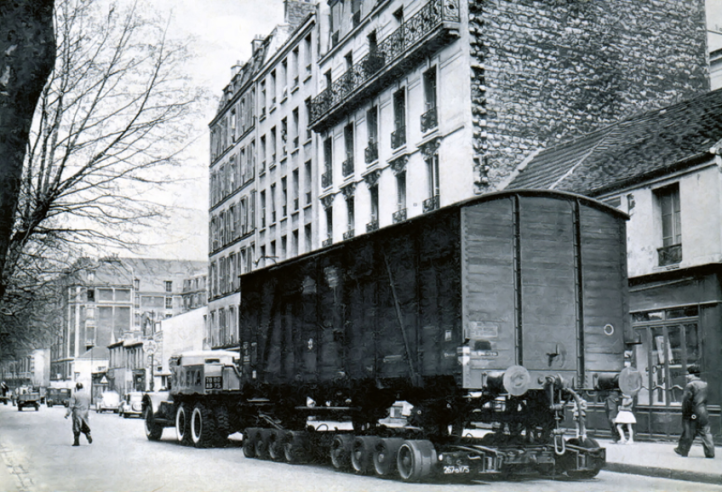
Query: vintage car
[
  {"x": 29, "y": 398},
  {"x": 57, "y": 396},
  {"x": 108, "y": 401},
  {"x": 132, "y": 405}
]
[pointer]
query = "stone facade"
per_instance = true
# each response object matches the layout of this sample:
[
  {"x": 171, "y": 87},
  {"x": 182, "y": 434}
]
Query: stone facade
[{"x": 544, "y": 70}]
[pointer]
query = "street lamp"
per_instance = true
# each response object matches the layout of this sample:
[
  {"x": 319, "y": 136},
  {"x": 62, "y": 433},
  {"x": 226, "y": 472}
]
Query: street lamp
[{"x": 89, "y": 346}]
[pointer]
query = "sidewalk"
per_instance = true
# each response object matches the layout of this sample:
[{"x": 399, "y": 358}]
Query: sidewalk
[{"x": 657, "y": 459}]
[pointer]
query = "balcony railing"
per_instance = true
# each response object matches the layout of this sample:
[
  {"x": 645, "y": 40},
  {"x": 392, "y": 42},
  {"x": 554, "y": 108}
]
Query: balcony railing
[
  {"x": 347, "y": 167},
  {"x": 670, "y": 255},
  {"x": 327, "y": 242},
  {"x": 429, "y": 120},
  {"x": 372, "y": 152},
  {"x": 372, "y": 226},
  {"x": 431, "y": 203},
  {"x": 348, "y": 234},
  {"x": 410, "y": 36},
  {"x": 326, "y": 179},
  {"x": 399, "y": 216},
  {"x": 398, "y": 138}
]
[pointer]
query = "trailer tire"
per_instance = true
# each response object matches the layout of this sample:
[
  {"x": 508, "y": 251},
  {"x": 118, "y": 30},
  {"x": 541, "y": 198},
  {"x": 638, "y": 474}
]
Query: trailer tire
[
  {"x": 362, "y": 454},
  {"x": 249, "y": 442},
  {"x": 569, "y": 464},
  {"x": 415, "y": 460},
  {"x": 183, "y": 425},
  {"x": 295, "y": 448},
  {"x": 223, "y": 425},
  {"x": 385, "y": 454},
  {"x": 203, "y": 426},
  {"x": 276, "y": 442},
  {"x": 153, "y": 431},
  {"x": 341, "y": 448}
]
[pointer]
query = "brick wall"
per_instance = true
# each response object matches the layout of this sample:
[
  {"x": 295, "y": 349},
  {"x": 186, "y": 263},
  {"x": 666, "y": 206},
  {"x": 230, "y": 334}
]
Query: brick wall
[
  {"x": 544, "y": 70},
  {"x": 294, "y": 11}
]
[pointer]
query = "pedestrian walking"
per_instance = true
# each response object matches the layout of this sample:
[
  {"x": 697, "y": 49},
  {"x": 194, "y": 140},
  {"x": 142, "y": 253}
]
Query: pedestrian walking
[
  {"x": 79, "y": 407},
  {"x": 626, "y": 417},
  {"x": 611, "y": 406},
  {"x": 695, "y": 419},
  {"x": 4, "y": 388}
]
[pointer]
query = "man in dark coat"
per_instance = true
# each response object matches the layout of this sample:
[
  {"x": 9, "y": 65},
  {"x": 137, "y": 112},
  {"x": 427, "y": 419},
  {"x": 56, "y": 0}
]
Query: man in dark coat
[
  {"x": 695, "y": 419},
  {"x": 79, "y": 407}
]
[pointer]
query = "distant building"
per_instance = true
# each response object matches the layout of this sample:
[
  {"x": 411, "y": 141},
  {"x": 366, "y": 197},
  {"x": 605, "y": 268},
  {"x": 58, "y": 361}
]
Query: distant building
[{"x": 116, "y": 299}]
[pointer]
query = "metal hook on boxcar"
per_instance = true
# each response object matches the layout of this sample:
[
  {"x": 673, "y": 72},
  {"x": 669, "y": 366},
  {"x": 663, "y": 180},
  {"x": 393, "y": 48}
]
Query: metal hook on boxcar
[{"x": 557, "y": 439}]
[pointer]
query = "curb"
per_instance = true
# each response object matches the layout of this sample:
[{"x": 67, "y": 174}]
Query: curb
[{"x": 650, "y": 471}]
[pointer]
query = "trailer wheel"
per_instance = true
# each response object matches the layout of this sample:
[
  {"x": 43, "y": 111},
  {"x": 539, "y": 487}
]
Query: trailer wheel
[
  {"x": 415, "y": 460},
  {"x": 276, "y": 441},
  {"x": 295, "y": 447},
  {"x": 569, "y": 460},
  {"x": 362, "y": 454},
  {"x": 223, "y": 425},
  {"x": 341, "y": 448},
  {"x": 183, "y": 425},
  {"x": 153, "y": 431},
  {"x": 385, "y": 453},
  {"x": 203, "y": 427},
  {"x": 249, "y": 442}
]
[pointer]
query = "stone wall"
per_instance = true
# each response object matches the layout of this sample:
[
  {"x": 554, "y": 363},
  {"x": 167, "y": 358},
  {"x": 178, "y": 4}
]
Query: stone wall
[
  {"x": 294, "y": 11},
  {"x": 546, "y": 70}
]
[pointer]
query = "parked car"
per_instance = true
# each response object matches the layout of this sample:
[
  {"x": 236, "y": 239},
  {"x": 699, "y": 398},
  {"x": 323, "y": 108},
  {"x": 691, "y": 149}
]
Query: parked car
[
  {"x": 57, "y": 396},
  {"x": 110, "y": 400},
  {"x": 30, "y": 398},
  {"x": 131, "y": 405}
]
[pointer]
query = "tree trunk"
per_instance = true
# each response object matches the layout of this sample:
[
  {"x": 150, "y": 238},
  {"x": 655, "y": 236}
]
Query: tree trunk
[{"x": 27, "y": 55}]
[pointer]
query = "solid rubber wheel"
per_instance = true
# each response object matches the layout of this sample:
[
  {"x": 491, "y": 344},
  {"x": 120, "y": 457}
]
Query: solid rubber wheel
[
  {"x": 262, "y": 443},
  {"x": 203, "y": 426},
  {"x": 183, "y": 425},
  {"x": 568, "y": 460},
  {"x": 362, "y": 454},
  {"x": 249, "y": 443},
  {"x": 276, "y": 440},
  {"x": 295, "y": 447},
  {"x": 341, "y": 448},
  {"x": 415, "y": 460},
  {"x": 153, "y": 431},
  {"x": 385, "y": 454}
]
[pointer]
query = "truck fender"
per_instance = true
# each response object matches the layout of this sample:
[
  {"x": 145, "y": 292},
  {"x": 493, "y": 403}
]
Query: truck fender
[{"x": 155, "y": 401}]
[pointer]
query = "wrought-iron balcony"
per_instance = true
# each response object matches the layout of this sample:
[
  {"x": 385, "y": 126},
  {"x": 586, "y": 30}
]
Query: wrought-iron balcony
[
  {"x": 670, "y": 255},
  {"x": 429, "y": 120},
  {"x": 399, "y": 216},
  {"x": 348, "y": 234},
  {"x": 327, "y": 242},
  {"x": 326, "y": 179},
  {"x": 431, "y": 203},
  {"x": 372, "y": 226},
  {"x": 347, "y": 166},
  {"x": 371, "y": 153},
  {"x": 425, "y": 32},
  {"x": 398, "y": 137}
]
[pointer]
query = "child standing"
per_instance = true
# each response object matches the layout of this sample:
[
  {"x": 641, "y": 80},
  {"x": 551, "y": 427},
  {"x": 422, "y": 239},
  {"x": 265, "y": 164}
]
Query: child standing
[{"x": 625, "y": 416}]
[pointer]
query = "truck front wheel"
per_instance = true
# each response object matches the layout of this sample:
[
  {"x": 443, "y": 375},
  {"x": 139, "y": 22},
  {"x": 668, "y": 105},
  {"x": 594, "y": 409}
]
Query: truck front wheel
[{"x": 153, "y": 431}]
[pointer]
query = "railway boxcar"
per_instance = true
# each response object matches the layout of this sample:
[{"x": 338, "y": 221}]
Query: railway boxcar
[{"x": 497, "y": 310}]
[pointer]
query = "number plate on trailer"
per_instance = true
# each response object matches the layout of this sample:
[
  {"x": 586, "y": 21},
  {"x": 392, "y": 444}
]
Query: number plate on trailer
[
  {"x": 456, "y": 469},
  {"x": 214, "y": 382}
]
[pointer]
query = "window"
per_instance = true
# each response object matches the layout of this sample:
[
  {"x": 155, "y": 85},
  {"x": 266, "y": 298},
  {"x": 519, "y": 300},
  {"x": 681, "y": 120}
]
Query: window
[
  {"x": 168, "y": 286},
  {"x": 308, "y": 54},
  {"x": 91, "y": 295},
  {"x": 294, "y": 128},
  {"x": 308, "y": 118},
  {"x": 308, "y": 180},
  {"x": 347, "y": 167},
  {"x": 669, "y": 209},
  {"x": 371, "y": 153},
  {"x": 284, "y": 79},
  {"x": 350, "y": 213},
  {"x": 273, "y": 250},
  {"x": 284, "y": 247},
  {"x": 284, "y": 137},
  {"x": 294, "y": 243},
  {"x": 272, "y": 88},
  {"x": 401, "y": 190},
  {"x": 307, "y": 237},
  {"x": 326, "y": 179},
  {"x": 136, "y": 284},
  {"x": 273, "y": 203},
  {"x": 273, "y": 147},
  {"x": 432, "y": 173},
  {"x": 294, "y": 190},
  {"x": 264, "y": 101},
  {"x": 329, "y": 222},
  {"x": 284, "y": 197},
  {"x": 294, "y": 67},
  {"x": 398, "y": 137},
  {"x": 263, "y": 209},
  {"x": 169, "y": 303},
  {"x": 429, "y": 119},
  {"x": 263, "y": 153},
  {"x": 374, "y": 195},
  {"x": 348, "y": 58}
]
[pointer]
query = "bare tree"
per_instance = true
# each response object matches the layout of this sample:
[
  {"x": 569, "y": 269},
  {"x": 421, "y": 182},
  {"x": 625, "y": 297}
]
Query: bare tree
[{"x": 109, "y": 126}]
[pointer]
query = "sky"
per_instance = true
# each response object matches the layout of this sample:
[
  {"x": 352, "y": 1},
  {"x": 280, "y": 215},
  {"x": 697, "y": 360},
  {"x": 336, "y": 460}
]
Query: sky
[{"x": 220, "y": 32}]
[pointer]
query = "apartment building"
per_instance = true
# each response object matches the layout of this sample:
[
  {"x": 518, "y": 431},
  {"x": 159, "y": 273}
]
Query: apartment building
[
  {"x": 287, "y": 157},
  {"x": 423, "y": 103}
]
